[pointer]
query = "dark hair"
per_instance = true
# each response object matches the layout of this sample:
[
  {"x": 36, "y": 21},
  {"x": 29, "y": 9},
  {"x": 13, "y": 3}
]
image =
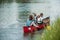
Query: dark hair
[
  {"x": 47, "y": 17},
  {"x": 34, "y": 14},
  {"x": 41, "y": 13},
  {"x": 30, "y": 17}
]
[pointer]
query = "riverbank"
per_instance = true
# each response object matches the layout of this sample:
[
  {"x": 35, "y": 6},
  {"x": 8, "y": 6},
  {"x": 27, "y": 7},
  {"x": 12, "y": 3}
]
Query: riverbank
[{"x": 53, "y": 34}]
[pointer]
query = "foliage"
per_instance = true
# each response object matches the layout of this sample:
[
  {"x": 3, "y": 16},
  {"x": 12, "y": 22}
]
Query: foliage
[{"x": 54, "y": 33}]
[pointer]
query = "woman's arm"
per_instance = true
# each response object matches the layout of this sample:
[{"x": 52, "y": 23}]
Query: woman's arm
[{"x": 34, "y": 24}]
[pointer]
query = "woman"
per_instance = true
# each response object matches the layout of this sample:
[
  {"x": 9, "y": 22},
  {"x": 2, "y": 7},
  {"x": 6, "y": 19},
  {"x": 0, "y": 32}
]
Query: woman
[{"x": 30, "y": 21}]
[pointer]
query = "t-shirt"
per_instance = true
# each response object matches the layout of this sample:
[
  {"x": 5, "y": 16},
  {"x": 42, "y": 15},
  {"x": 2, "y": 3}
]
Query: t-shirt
[
  {"x": 28, "y": 23},
  {"x": 39, "y": 20}
]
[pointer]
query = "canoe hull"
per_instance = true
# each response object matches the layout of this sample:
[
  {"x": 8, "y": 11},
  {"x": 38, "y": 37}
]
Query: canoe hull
[{"x": 32, "y": 28}]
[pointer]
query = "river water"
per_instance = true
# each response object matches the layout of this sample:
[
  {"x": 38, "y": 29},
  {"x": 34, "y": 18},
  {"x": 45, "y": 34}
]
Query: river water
[{"x": 13, "y": 17}]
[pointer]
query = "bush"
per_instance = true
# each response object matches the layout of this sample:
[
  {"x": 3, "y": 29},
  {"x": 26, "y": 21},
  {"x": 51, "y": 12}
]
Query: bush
[{"x": 54, "y": 33}]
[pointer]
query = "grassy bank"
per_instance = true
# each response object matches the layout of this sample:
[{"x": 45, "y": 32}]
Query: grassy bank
[{"x": 53, "y": 34}]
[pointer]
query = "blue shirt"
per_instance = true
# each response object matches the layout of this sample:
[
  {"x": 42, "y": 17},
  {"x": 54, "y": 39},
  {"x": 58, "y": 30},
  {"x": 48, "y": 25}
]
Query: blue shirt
[{"x": 28, "y": 23}]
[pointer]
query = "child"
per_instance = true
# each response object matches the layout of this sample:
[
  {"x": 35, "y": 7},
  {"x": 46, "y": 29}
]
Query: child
[{"x": 40, "y": 18}]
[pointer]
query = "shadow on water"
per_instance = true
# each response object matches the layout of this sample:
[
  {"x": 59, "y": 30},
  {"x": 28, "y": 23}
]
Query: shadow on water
[
  {"x": 32, "y": 36},
  {"x": 6, "y": 1},
  {"x": 31, "y": 1},
  {"x": 28, "y": 36},
  {"x": 23, "y": 1}
]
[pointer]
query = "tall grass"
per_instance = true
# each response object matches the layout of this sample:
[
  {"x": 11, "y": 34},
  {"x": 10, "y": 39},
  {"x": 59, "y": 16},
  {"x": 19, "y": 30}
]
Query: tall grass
[{"x": 54, "y": 33}]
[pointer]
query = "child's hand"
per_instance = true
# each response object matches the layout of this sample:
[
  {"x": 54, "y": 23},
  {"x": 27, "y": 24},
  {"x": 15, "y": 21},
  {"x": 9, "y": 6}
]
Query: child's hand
[{"x": 37, "y": 26}]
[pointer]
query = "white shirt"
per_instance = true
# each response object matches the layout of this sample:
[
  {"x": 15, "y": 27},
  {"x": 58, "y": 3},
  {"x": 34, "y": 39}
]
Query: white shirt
[{"x": 39, "y": 20}]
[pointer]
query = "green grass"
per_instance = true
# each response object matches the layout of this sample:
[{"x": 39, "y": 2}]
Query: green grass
[{"x": 53, "y": 34}]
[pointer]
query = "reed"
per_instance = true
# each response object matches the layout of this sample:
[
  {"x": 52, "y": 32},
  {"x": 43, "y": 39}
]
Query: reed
[{"x": 54, "y": 33}]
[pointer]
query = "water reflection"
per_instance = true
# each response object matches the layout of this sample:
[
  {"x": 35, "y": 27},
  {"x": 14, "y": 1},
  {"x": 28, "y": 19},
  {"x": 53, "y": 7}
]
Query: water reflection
[
  {"x": 6, "y": 1},
  {"x": 28, "y": 36},
  {"x": 33, "y": 36},
  {"x": 24, "y": 1}
]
